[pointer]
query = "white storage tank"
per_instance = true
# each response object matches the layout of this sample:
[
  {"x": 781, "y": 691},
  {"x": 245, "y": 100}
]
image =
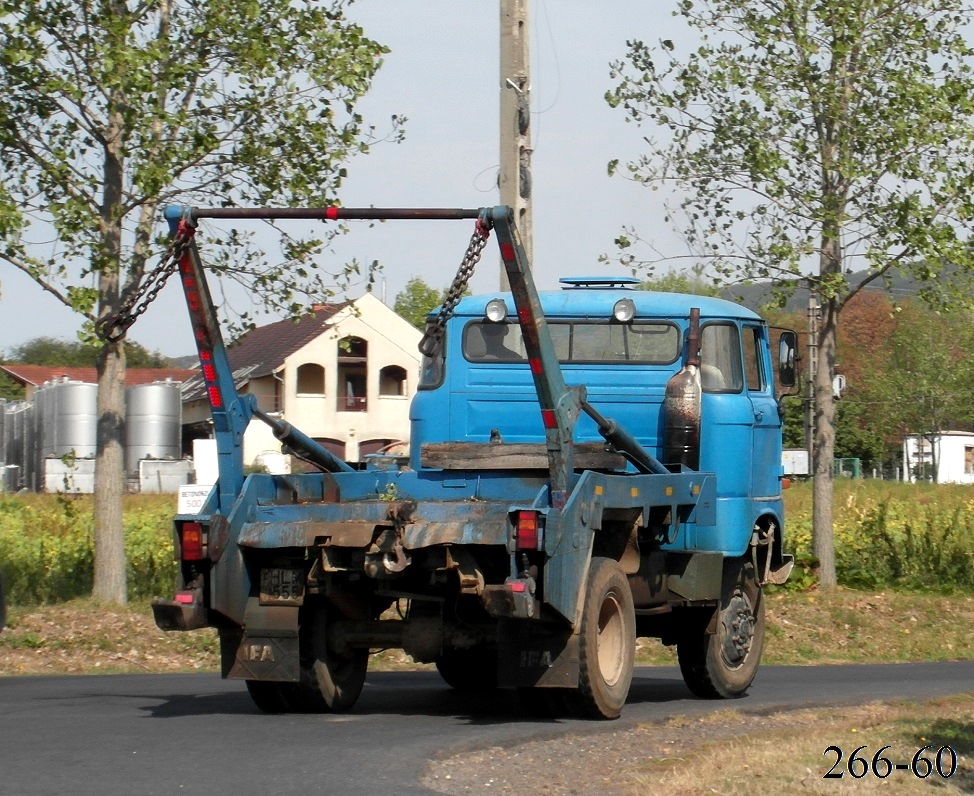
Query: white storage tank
[
  {"x": 75, "y": 417},
  {"x": 153, "y": 417},
  {"x": 66, "y": 417}
]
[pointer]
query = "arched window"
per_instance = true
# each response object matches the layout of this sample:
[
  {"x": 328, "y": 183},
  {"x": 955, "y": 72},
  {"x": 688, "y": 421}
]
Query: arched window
[
  {"x": 392, "y": 380},
  {"x": 311, "y": 379},
  {"x": 352, "y": 374}
]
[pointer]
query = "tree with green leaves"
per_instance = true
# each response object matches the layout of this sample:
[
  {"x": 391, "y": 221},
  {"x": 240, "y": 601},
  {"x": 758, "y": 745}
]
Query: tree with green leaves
[
  {"x": 807, "y": 139},
  {"x": 81, "y": 354},
  {"x": 416, "y": 300},
  {"x": 926, "y": 386},
  {"x": 694, "y": 283},
  {"x": 110, "y": 110}
]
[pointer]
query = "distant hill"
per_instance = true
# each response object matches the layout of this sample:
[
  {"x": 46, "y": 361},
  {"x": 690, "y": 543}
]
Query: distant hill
[
  {"x": 755, "y": 296},
  {"x": 188, "y": 362}
]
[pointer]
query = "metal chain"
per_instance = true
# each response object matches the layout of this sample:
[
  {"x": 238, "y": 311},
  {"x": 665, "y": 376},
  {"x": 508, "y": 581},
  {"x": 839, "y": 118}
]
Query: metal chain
[
  {"x": 433, "y": 337},
  {"x": 112, "y": 327}
]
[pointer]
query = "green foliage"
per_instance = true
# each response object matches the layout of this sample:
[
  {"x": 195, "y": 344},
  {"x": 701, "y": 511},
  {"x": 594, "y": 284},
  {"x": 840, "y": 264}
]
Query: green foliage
[
  {"x": 802, "y": 122},
  {"x": 798, "y": 133},
  {"x": 10, "y": 390},
  {"x": 415, "y": 301},
  {"x": 110, "y": 112},
  {"x": 47, "y": 548},
  {"x": 68, "y": 353},
  {"x": 889, "y": 535},
  {"x": 675, "y": 282}
]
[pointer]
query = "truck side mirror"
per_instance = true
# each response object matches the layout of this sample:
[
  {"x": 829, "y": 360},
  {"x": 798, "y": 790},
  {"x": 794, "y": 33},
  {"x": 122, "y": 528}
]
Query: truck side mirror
[{"x": 787, "y": 354}]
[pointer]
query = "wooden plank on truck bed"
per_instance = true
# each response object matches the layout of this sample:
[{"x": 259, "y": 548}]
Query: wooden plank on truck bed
[{"x": 513, "y": 456}]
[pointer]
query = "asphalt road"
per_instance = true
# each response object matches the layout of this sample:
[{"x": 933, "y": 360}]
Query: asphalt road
[{"x": 198, "y": 734}]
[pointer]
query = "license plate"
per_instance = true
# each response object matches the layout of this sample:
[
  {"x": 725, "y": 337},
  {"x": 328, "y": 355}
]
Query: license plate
[{"x": 279, "y": 586}]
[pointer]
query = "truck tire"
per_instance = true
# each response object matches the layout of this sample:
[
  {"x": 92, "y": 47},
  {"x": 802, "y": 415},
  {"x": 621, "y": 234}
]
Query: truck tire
[
  {"x": 269, "y": 696},
  {"x": 607, "y": 642},
  {"x": 722, "y": 665},
  {"x": 473, "y": 671},
  {"x": 331, "y": 681}
]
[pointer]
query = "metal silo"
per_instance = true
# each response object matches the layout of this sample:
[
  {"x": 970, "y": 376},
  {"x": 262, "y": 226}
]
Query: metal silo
[
  {"x": 71, "y": 409},
  {"x": 18, "y": 421},
  {"x": 153, "y": 418}
]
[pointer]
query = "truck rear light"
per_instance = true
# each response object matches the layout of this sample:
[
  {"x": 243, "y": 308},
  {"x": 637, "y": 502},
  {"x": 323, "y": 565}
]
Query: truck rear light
[
  {"x": 527, "y": 533},
  {"x": 191, "y": 541}
]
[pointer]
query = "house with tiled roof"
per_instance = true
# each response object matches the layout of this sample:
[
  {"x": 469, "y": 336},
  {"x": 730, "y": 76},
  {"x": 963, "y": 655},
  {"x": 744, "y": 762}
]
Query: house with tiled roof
[
  {"x": 34, "y": 376},
  {"x": 343, "y": 374}
]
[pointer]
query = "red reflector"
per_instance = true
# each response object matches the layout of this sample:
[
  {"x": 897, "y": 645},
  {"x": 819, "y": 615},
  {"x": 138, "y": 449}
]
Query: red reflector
[
  {"x": 184, "y": 597},
  {"x": 215, "y": 400},
  {"x": 209, "y": 372},
  {"x": 191, "y": 539},
  {"x": 507, "y": 251},
  {"x": 536, "y": 368},
  {"x": 548, "y": 417},
  {"x": 527, "y": 530},
  {"x": 517, "y": 585},
  {"x": 331, "y": 213}
]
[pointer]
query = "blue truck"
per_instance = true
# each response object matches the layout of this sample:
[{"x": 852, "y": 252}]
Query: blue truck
[{"x": 587, "y": 466}]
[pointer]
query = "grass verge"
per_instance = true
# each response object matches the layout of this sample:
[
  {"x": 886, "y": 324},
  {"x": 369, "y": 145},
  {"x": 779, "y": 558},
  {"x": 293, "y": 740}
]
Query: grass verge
[
  {"x": 792, "y": 752},
  {"x": 844, "y": 626}
]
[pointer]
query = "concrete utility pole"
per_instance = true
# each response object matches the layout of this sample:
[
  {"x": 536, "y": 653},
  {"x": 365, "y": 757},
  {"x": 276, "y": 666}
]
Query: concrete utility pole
[
  {"x": 813, "y": 318},
  {"x": 514, "y": 179}
]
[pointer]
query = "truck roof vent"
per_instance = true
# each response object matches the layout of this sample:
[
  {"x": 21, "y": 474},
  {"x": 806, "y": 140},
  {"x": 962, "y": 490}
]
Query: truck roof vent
[{"x": 598, "y": 282}]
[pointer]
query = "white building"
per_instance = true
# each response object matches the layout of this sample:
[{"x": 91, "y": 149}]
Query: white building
[
  {"x": 343, "y": 375},
  {"x": 953, "y": 452}
]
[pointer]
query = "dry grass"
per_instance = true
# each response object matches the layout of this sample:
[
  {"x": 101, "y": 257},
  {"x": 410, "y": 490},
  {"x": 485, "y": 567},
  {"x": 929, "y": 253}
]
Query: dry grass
[
  {"x": 785, "y": 753},
  {"x": 803, "y": 628}
]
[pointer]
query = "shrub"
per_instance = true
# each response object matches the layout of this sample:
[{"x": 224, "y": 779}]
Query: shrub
[
  {"x": 889, "y": 535},
  {"x": 47, "y": 547}
]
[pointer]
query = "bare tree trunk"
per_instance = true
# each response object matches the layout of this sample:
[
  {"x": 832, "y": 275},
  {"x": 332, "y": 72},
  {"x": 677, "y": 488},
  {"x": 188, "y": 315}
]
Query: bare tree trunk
[
  {"x": 823, "y": 540},
  {"x": 110, "y": 563}
]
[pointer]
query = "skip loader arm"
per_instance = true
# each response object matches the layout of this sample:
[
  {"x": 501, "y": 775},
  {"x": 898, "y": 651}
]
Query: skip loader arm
[{"x": 572, "y": 499}]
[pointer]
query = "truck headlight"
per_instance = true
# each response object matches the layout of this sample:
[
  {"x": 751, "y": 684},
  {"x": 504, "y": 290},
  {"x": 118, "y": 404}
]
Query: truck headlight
[{"x": 496, "y": 310}]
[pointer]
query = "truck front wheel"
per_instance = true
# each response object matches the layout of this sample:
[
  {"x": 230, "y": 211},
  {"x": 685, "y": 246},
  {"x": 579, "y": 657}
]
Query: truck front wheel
[
  {"x": 722, "y": 664},
  {"x": 607, "y": 642}
]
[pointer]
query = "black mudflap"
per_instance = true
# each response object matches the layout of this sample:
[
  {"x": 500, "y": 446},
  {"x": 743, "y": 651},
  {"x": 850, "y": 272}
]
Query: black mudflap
[
  {"x": 533, "y": 654},
  {"x": 266, "y": 649}
]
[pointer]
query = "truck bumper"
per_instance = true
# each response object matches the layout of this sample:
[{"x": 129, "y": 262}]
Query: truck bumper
[{"x": 186, "y": 612}]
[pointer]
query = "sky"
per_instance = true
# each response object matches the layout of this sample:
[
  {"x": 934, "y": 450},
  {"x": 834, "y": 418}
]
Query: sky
[{"x": 443, "y": 75}]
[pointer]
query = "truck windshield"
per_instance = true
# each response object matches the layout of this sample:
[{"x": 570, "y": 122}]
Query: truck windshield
[{"x": 643, "y": 342}]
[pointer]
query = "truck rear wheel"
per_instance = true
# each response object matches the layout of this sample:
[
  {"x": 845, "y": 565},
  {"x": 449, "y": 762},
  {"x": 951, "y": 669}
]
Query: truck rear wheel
[
  {"x": 471, "y": 670},
  {"x": 270, "y": 696},
  {"x": 607, "y": 642},
  {"x": 331, "y": 680},
  {"x": 722, "y": 665}
]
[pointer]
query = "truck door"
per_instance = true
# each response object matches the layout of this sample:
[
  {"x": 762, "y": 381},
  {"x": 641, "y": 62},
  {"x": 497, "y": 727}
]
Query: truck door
[{"x": 766, "y": 438}]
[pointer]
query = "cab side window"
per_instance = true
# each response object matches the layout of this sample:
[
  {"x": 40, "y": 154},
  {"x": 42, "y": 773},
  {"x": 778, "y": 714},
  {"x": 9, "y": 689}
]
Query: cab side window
[
  {"x": 752, "y": 359},
  {"x": 720, "y": 358}
]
